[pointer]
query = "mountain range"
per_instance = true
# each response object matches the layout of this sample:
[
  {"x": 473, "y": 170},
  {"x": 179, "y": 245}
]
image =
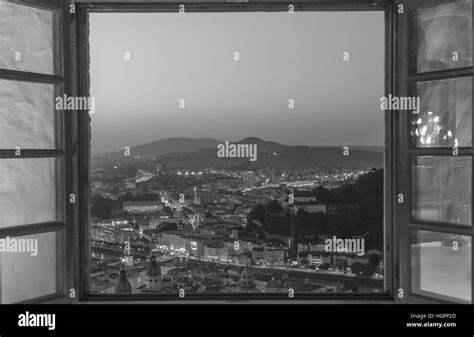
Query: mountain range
[
  {"x": 200, "y": 152},
  {"x": 168, "y": 145}
]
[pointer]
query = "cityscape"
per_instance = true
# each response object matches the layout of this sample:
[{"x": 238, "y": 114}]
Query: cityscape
[
  {"x": 189, "y": 220},
  {"x": 224, "y": 160}
]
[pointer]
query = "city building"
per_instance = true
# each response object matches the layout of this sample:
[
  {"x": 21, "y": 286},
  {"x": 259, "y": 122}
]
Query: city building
[
  {"x": 311, "y": 207},
  {"x": 304, "y": 196},
  {"x": 248, "y": 178},
  {"x": 274, "y": 256},
  {"x": 156, "y": 222},
  {"x": 137, "y": 279},
  {"x": 211, "y": 252},
  {"x": 142, "y": 207},
  {"x": 224, "y": 254},
  {"x": 197, "y": 197}
]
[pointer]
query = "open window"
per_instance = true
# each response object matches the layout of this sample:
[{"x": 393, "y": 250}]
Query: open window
[{"x": 46, "y": 177}]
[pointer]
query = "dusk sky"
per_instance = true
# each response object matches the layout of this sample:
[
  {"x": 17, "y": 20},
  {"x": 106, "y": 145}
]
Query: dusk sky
[{"x": 282, "y": 56}]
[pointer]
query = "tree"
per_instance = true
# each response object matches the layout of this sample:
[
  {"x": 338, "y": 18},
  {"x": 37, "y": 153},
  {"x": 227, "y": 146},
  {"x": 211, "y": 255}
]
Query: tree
[
  {"x": 374, "y": 260},
  {"x": 369, "y": 270},
  {"x": 324, "y": 266},
  {"x": 102, "y": 207},
  {"x": 302, "y": 222},
  {"x": 323, "y": 195},
  {"x": 258, "y": 213},
  {"x": 357, "y": 268},
  {"x": 168, "y": 210},
  {"x": 274, "y": 206},
  {"x": 359, "y": 210},
  {"x": 346, "y": 194},
  {"x": 168, "y": 226},
  {"x": 351, "y": 285}
]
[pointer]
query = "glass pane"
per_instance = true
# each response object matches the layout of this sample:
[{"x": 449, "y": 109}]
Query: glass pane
[
  {"x": 445, "y": 36},
  {"x": 28, "y": 267},
  {"x": 441, "y": 265},
  {"x": 27, "y": 115},
  {"x": 442, "y": 189},
  {"x": 444, "y": 115},
  {"x": 26, "y": 41},
  {"x": 27, "y": 191}
]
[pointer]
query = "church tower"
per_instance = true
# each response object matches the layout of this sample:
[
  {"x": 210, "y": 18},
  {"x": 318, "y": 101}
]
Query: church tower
[
  {"x": 246, "y": 281},
  {"x": 153, "y": 275},
  {"x": 123, "y": 286},
  {"x": 197, "y": 196}
]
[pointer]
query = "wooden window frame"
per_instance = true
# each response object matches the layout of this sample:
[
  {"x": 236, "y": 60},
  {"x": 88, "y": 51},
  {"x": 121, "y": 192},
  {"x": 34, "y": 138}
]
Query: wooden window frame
[
  {"x": 62, "y": 152},
  {"x": 81, "y": 54},
  {"x": 405, "y": 79}
]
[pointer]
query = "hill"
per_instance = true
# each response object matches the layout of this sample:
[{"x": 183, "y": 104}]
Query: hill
[{"x": 169, "y": 145}]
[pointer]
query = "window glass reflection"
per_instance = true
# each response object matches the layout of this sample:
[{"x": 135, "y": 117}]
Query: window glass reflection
[
  {"x": 442, "y": 189},
  {"x": 441, "y": 265}
]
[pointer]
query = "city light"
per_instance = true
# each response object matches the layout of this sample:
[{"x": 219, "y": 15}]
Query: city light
[{"x": 216, "y": 212}]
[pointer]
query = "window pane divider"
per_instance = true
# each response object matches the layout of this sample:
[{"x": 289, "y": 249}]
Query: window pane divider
[
  {"x": 48, "y": 299},
  {"x": 25, "y": 76},
  {"x": 424, "y": 4},
  {"x": 38, "y": 228},
  {"x": 440, "y": 227},
  {"x": 425, "y": 299},
  {"x": 235, "y": 297},
  {"x": 148, "y": 6},
  {"x": 26, "y": 153},
  {"x": 441, "y": 151},
  {"x": 442, "y": 74},
  {"x": 41, "y": 4}
]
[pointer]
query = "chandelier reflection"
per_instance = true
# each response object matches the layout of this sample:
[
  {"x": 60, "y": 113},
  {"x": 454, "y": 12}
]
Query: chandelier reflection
[{"x": 429, "y": 131}]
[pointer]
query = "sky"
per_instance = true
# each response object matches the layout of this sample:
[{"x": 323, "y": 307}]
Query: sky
[{"x": 282, "y": 56}]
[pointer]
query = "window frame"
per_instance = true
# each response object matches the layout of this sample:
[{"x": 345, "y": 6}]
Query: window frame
[
  {"x": 406, "y": 77},
  {"x": 81, "y": 53},
  {"x": 62, "y": 79}
]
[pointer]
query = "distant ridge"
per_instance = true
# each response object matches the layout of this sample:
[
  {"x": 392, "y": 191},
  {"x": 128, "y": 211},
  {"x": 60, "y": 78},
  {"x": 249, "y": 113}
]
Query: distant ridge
[
  {"x": 169, "y": 145},
  {"x": 201, "y": 152}
]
